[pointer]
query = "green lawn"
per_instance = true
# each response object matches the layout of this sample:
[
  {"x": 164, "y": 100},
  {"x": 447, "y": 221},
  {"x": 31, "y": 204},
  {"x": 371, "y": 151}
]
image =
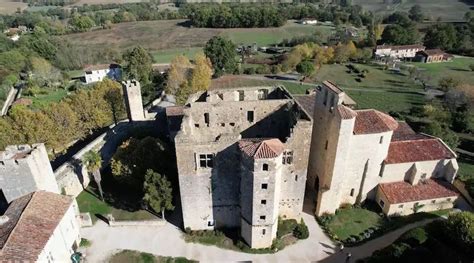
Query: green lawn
[
  {"x": 127, "y": 256},
  {"x": 90, "y": 203},
  {"x": 354, "y": 221},
  {"x": 457, "y": 68},
  {"x": 167, "y": 55},
  {"x": 42, "y": 100}
]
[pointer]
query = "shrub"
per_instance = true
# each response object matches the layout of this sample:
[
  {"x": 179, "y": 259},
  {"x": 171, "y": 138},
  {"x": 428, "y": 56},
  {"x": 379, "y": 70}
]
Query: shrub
[
  {"x": 85, "y": 243},
  {"x": 249, "y": 71},
  {"x": 415, "y": 236},
  {"x": 187, "y": 230},
  {"x": 263, "y": 69},
  {"x": 301, "y": 230},
  {"x": 325, "y": 219},
  {"x": 471, "y": 67},
  {"x": 345, "y": 206}
]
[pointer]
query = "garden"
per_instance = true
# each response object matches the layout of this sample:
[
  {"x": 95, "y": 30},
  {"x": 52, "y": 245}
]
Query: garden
[
  {"x": 353, "y": 225},
  {"x": 126, "y": 256}
]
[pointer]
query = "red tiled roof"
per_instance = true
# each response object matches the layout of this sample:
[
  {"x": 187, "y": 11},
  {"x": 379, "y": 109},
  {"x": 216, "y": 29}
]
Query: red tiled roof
[
  {"x": 400, "y": 47},
  {"x": 332, "y": 86},
  {"x": 404, "y": 132},
  {"x": 260, "y": 148},
  {"x": 346, "y": 112},
  {"x": 35, "y": 225},
  {"x": 432, "y": 52},
  {"x": 373, "y": 121},
  {"x": 417, "y": 150},
  {"x": 402, "y": 192},
  {"x": 174, "y": 111}
]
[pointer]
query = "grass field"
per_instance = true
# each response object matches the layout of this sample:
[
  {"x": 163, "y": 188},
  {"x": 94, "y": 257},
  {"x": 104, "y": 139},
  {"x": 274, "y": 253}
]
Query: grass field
[
  {"x": 167, "y": 55},
  {"x": 10, "y": 6},
  {"x": 457, "y": 68},
  {"x": 349, "y": 222},
  {"x": 42, "y": 100},
  {"x": 166, "y": 38},
  {"x": 448, "y": 10}
]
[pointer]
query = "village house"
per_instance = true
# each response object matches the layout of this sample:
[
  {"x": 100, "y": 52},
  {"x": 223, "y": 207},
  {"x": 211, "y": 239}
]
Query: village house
[
  {"x": 308, "y": 21},
  {"x": 366, "y": 154},
  {"x": 397, "y": 52},
  {"x": 95, "y": 73},
  {"x": 39, "y": 227},
  {"x": 433, "y": 55},
  {"x": 242, "y": 160}
]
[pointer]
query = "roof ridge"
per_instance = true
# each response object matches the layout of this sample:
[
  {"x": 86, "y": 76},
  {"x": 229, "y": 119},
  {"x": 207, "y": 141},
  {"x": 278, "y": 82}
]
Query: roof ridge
[{"x": 19, "y": 218}]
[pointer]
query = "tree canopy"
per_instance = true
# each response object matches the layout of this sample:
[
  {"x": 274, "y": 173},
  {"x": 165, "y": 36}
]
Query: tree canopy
[
  {"x": 138, "y": 64},
  {"x": 222, "y": 53},
  {"x": 158, "y": 192}
]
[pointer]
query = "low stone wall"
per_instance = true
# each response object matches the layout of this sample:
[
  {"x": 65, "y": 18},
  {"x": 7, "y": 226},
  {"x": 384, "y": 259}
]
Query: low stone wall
[
  {"x": 462, "y": 188},
  {"x": 157, "y": 222}
]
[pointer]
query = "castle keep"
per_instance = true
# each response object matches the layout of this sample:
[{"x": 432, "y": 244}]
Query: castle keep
[{"x": 242, "y": 157}]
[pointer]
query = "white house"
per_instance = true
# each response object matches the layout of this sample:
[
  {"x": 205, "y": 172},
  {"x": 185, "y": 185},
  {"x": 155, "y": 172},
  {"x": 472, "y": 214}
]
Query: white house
[
  {"x": 39, "y": 227},
  {"x": 308, "y": 21},
  {"x": 95, "y": 73},
  {"x": 398, "y": 52}
]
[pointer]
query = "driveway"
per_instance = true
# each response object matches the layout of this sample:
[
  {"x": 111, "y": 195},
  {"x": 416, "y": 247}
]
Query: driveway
[{"x": 167, "y": 240}]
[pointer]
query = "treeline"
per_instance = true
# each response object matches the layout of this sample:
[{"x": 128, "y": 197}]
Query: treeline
[
  {"x": 60, "y": 123},
  {"x": 49, "y": 2}
]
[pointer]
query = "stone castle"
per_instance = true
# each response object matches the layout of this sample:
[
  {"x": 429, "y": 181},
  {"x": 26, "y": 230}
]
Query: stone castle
[
  {"x": 242, "y": 160},
  {"x": 246, "y": 157}
]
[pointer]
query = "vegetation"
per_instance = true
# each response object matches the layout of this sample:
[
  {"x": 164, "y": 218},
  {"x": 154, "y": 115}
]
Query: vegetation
[
  {"x": 93, "y": 162},
  {"x": 440, "y": 241},
  {"x": 85, "y": 242},
  {"x": 222, "y": 54},
  {"x": 158, "y": 192},
  {"x": 137, "y": 65},
  {"x": 126, "y": 256}
]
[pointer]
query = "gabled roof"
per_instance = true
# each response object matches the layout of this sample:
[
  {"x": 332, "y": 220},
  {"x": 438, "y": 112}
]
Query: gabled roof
[
  {"x": 418, "y": 150},
  {"x": 400, "y": 47},
  {"x": 307, "y": 102},
  {"x": 346, "y": 112},
  {"x": 332, "y": 86},
  {"x": 373, "y": 121},
  {"x": 404, "y": 132},
  {"x": 432, "y": 52},
  {"x": 403, "y": 192},
  {"x": 259, "y": 148},
  {"x": 34, "y": 219}
]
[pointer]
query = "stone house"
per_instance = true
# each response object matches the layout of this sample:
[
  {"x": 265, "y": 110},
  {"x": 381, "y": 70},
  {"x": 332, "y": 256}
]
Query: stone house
[
  {"x": 23, "y": 170},
  {"x": 96, "y": 73},
  {"x": 40, "y": 227},
  {"x": 433, "y": 55},
  {"x": 397, "y": 52},
  {"x": 366, "y": 154},
  {"x": 242, "y": 160}
]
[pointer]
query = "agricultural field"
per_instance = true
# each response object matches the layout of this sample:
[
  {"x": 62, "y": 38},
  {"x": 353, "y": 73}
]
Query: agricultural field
[
  {"x": 447, "y": 10},
  {"x": 167, "y": 38},
  {"x": 10, "y": 6}
]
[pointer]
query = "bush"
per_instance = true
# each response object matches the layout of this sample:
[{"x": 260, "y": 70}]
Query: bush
[
  {"x": 345, "y": 206},
  {"x": 471, "y": 66},
  {"x": 263, "y": 69},
  {"x": 85, "y": 243},
  {"x": 249, "y": 71},
  {"x": 416, "y": 236},
  {"x": 187, "y": 230},
  {"x": 301, "y": 230}
]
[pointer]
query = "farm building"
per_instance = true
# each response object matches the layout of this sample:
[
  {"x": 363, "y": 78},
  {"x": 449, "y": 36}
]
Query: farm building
[
  {"x": 398, "y": 52},
  {"x": 433, "y": 55},
  {"x": 95, "y": 73}
]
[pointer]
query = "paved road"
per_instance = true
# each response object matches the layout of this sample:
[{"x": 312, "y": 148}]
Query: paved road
[{"x": 167, "y": 241}]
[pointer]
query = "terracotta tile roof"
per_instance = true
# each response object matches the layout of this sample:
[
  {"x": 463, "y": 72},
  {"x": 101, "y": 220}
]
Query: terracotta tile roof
[
  {"x": 100, "y": 66},
  {"x": 417, "y": 150},
  {"x": 33, "y": 228},
  {"x": 400, "y": 47},
  {"x": 373, "y": 121},
  {"x": 260, "y": 148},
  {"x": 402, "y": 192},
  {"x": 346, "y": 112},
  {"x": 307, "y": 102},
  {"x": 404, "y": 132},
  {"x": 13, "y": 213},
  {"x": 332, "y": 86},
  {"x": 432, "y": 52},
  {"x": 174, "y": 111}
]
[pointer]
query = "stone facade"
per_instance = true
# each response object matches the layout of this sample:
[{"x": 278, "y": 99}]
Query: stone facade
[
  {"x": 354, "y": 151},
  {"x": 398, "y": 52},
  {"x": 25, "y": 169},
  {"x": 133, "y": 100},
  {"x": 221, "y": 185}
]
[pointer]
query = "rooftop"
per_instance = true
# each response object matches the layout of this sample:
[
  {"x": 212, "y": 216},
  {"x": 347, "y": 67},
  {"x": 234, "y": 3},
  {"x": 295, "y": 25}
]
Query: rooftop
[
  {"x": 433, "y": 52},
  {"x": 404, "y": 132},
  {"x": 260, "y": 148},
  {"x": 32, "y": 220},
  {"x": 402, "y": 192},
  {"x": 307, "y": 102},
  {"x": 346, "y": 112},
  {"x": 416, "y": 150},
  {"x": 16, "y": 152},
  {"x": 332, "y": 86},
  {"x": 100, "y": 66},
  {"x": 373, "y": 121},
  {"x": 400, "y": 47}
]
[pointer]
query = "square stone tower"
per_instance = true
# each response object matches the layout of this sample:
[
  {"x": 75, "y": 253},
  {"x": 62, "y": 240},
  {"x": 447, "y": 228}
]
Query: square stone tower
[
  {"x": 25, "y": 169},
  {"x": 133, "y": 100}
]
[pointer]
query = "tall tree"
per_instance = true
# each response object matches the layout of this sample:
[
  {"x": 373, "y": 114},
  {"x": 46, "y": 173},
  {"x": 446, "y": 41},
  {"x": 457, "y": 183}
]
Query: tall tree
[
  {"x": 114, "y": 97},
  {"x": 415, "y": 13},
  {"x": 222, "y": 53},
  {"x": 93, "y": 162},
  {"x": 201, "y": 73},
  {"x": 305, "y": 68},
  {"x": 400, "y": 35},
  {"x": 138, "y": 64},
  {"x": 177, "y": 74},
  {"x": 158, "y": 192},
  {"x": 442, "y": 36}
]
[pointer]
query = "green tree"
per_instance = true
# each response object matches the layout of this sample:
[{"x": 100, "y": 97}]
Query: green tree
[
  {"x": 305, "y": 68},
  {"x": 114, "y": 97},
  {"x": 448, "y": 83},
  {"x": 138, "y": 64},
  {"x": 222, "y": 53},
  {"x": 415, "y": 13},
  {"x": 93, "y": 162},
  {"x": 460, "y": 228},
  {"x": 442, "y": 36},
  {"x": 400, "y": 35},
  {"x": 67, "y": 124},
  {"x": 158, "y": 192},
  {"x": 81, "y": 23},
  {"x": 178, "y": 73}
]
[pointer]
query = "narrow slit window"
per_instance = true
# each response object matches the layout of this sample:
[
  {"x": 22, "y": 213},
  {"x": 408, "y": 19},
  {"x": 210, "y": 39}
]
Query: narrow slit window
[{"x": 250, "y": 116}]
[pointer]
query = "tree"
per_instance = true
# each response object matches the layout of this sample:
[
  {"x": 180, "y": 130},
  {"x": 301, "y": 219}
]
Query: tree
[
  {"x": 66, "y": 122},
  {"x": 448, "y": 83},
  {"x": 415, "y": 13},
  {"x": 93, "y": 162},
  {"x": 114, "y": 97},
  {"x": 471, "y": 67},
  {"x": 81, "y": 23},
  {"x": 442, "y": 36},
  {"x": 460, "y": 228},
  {"x": 400, "y": 35},
  {"x": 158, "y": 192},
  {"x": 201, "y": 73},
  {"x": 138, "y": 64},
  {"x": 305, "y": 68},
  {"x": 222, "y": 53},
  {"x": 177, "y": 74}
]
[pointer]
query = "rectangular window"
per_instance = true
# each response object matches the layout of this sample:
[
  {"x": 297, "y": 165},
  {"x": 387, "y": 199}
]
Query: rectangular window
[
  {"x": 382, "y": 203},
  {"x": 206, "y": 160},
  {"x": 241, "y": 95},
  {"x": 263, "y": 202},
  {"x": 196, "y": 125},
  {"x": 263, "y": 231},
  {"x": 326, "y": 146},
  {"x": 250, "y": 116},
  {"x": 381, "y": 140},
  {"x": 265, "y": 167},
  {"x": 296, "y": 178},
  {"x": 287, "y": 157},
  {"x": 264, "y": 186},
  {"x": 206, "y": 119},
  {"x": 352, "y": 192},
  {"x": 262, "y": 94},
  {"x": 263, "y": 217}
]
